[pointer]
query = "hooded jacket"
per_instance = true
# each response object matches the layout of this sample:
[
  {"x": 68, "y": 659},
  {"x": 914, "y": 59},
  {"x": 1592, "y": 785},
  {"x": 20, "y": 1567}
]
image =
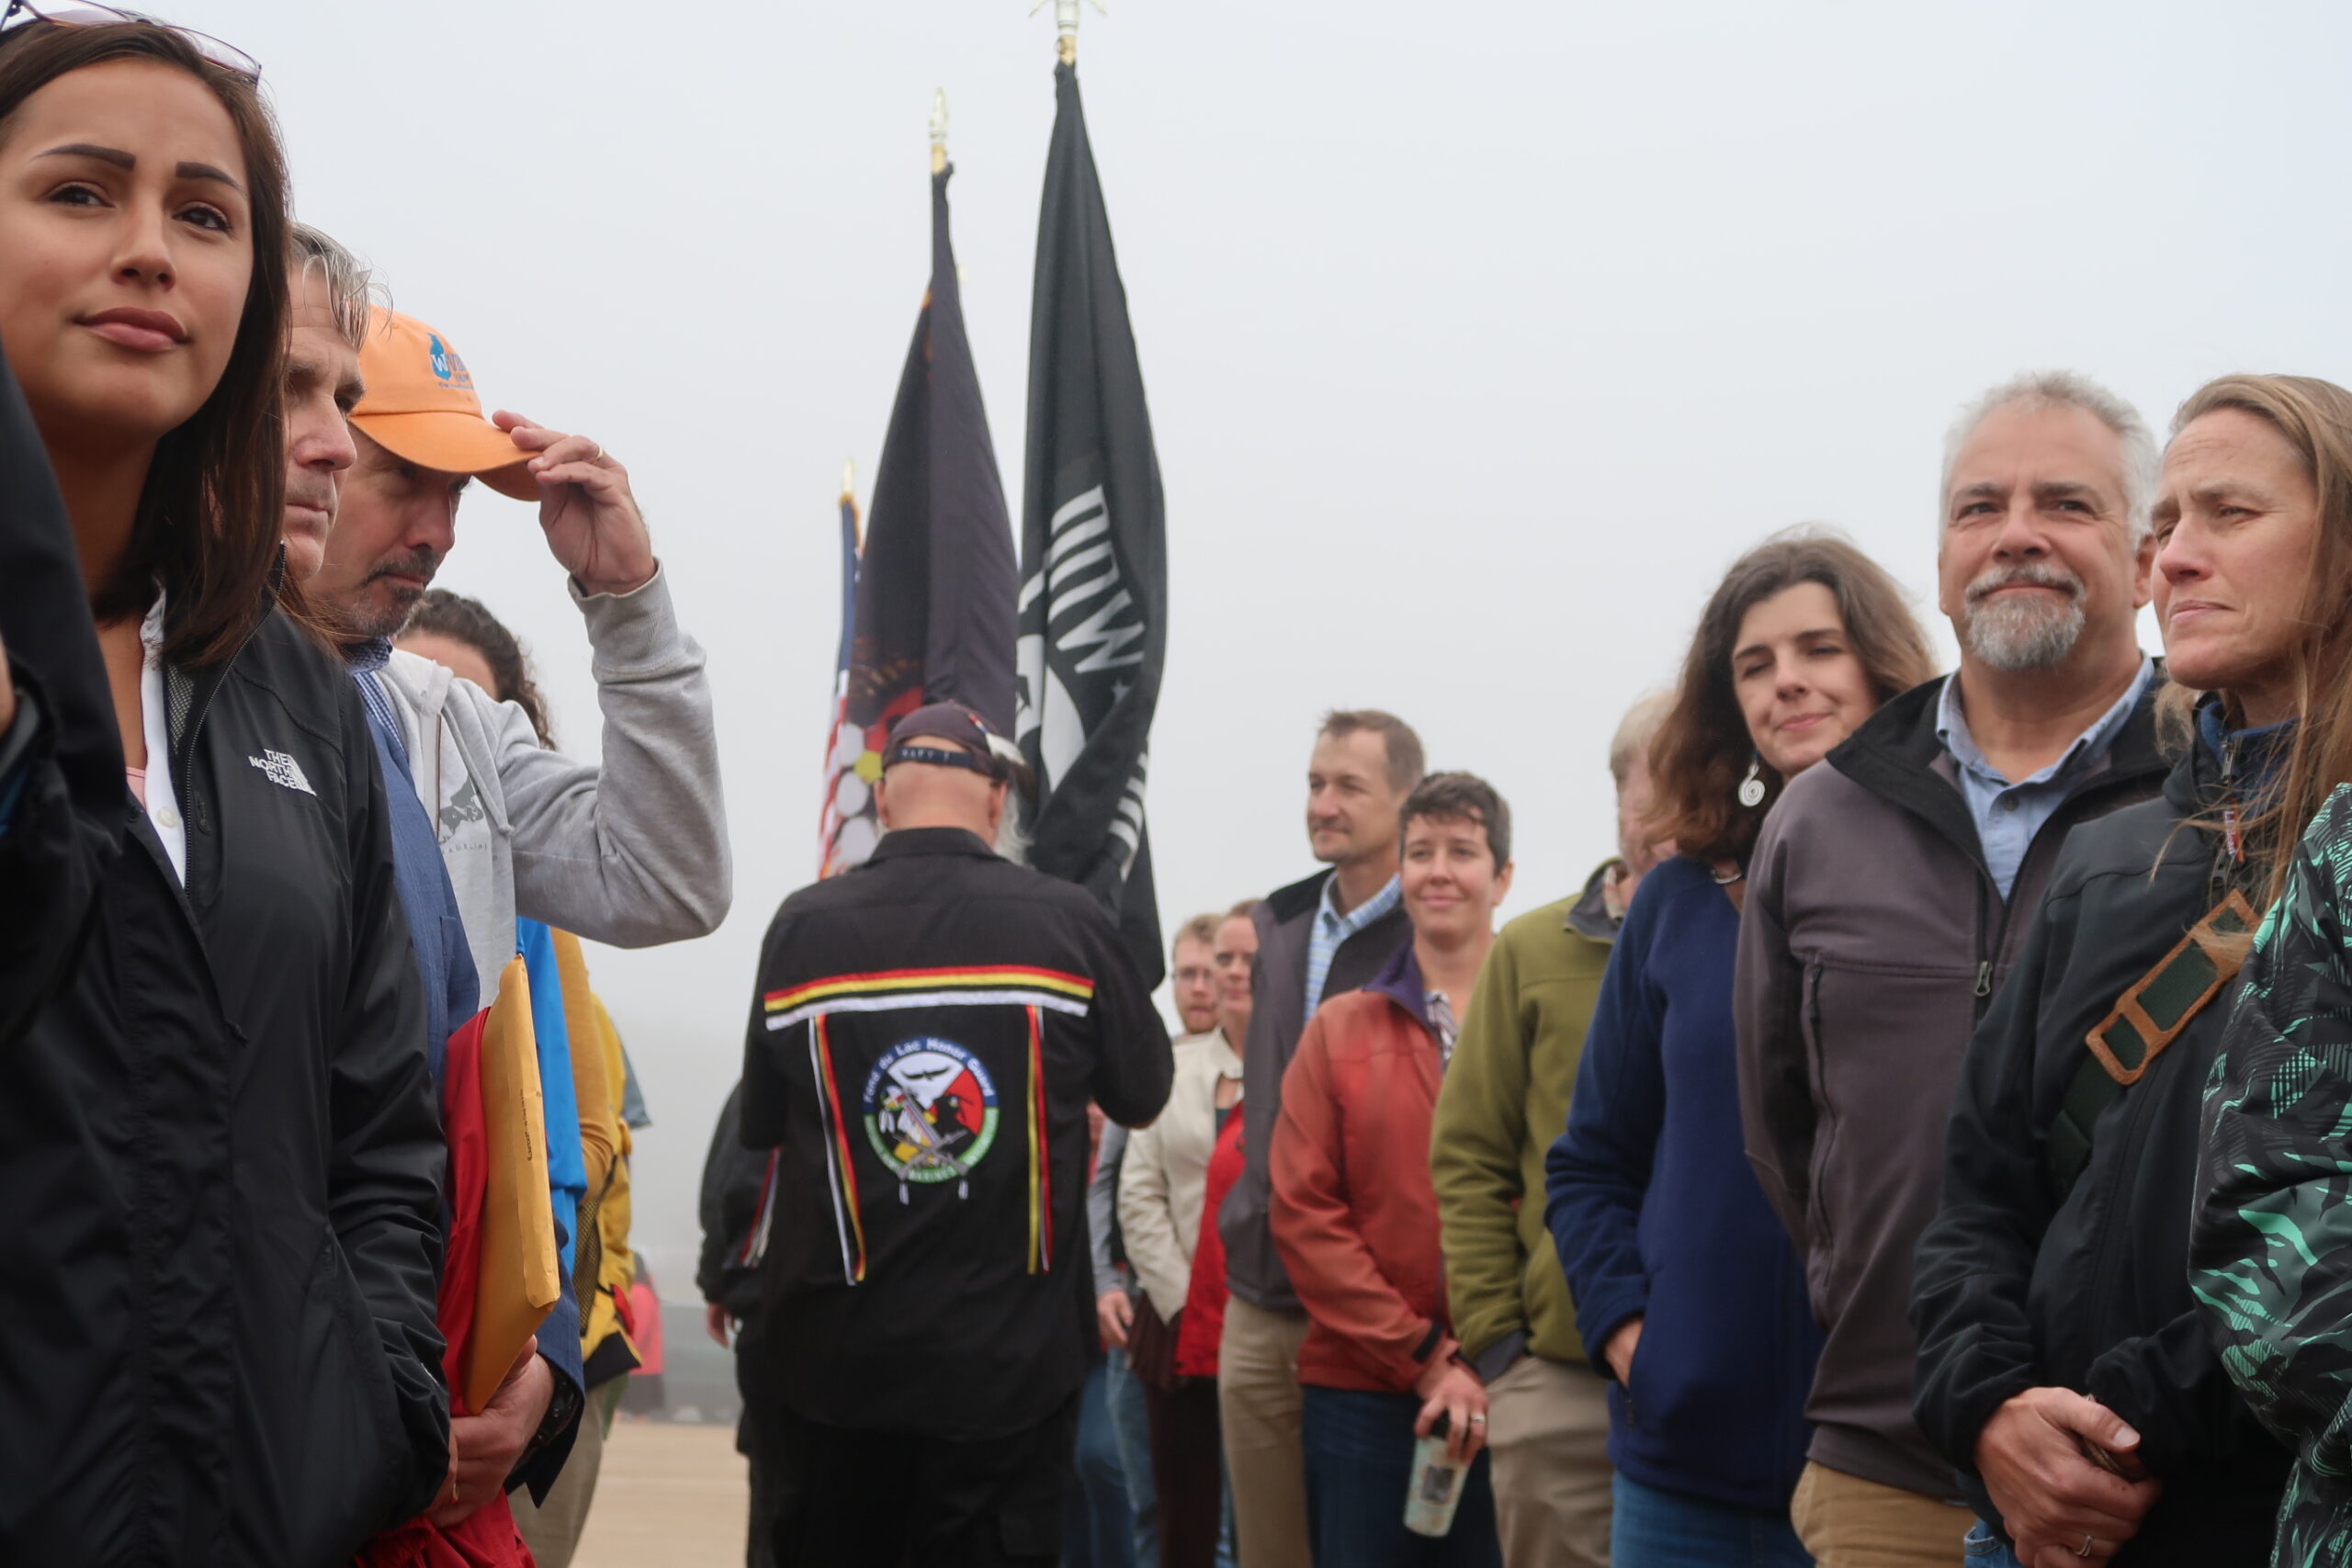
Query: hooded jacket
[
  {"x": 2021, "y": 1286},
  {"x": 221, "y": 1160},
  {"x": 928, "y": 1029},
  {"x": 1353, "y": 1211},
  {"x": 1505, "y": 1100},
  {"x": 633, "y": 852},
  {"x": 1280, "y": 1008},
  {"x": 1657, "y": 1216},
  {"x": 1870, "y": 943}
]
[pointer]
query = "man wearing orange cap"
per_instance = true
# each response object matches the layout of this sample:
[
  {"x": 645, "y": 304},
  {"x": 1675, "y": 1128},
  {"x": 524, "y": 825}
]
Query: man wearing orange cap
[{"x": 524, "y": 830}]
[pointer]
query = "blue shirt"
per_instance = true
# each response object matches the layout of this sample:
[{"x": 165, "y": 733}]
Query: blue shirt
[
  {"x": 1332, "y": 928},
  {"x": 2009, "y": 814},
  {"x": 444, "y": 961}
]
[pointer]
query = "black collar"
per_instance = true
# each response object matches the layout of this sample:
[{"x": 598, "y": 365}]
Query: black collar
[
  {"x": 1896, "y": 754},
  {"x": 901, "y": 842}
]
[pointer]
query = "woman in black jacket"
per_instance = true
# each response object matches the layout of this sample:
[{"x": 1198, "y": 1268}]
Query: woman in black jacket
[
  {"x": 218, "y": 1155},
  {"x": 2064, "y": 1366}
]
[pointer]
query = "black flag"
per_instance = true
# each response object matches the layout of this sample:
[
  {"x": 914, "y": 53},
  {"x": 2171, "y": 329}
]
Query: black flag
[
  {"x": 1094, "y": 554},
  {"x": 935, "y": 580}
]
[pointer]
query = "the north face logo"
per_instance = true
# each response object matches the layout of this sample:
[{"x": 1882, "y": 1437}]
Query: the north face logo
[{"x": 283, "y": 770}]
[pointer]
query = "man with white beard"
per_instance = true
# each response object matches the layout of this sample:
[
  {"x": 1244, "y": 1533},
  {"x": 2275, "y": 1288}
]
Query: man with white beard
[{"x": 1890, "y": 890}]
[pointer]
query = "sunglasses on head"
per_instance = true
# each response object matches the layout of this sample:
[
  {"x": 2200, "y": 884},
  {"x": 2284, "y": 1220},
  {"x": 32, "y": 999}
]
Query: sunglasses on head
[{"x": 227, "y": 56}]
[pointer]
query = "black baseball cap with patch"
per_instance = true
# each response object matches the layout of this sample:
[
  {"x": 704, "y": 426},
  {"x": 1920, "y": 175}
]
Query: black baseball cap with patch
[{"x": 972, "y": 744}]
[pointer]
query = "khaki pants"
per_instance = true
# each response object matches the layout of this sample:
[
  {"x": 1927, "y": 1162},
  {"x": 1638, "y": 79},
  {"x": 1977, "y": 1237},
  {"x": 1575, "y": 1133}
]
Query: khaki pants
[
  {"x": 1547, "y": 1427},
  {"x": 1259, "y": 1406},
  {"x": 552, "y": 1529},
  {"x": 1848, "y": 1522}
]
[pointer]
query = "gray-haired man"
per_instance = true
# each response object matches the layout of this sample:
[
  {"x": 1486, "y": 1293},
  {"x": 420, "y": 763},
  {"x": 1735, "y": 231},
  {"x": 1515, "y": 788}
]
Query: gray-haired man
[{"x": 1879, "y": 906}]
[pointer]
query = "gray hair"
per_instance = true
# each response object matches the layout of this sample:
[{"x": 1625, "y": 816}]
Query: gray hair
[
  {"x": 1635, "y": 733},
  {"x": 351, "y": 287},
  {"x": 2070, "y": 389}
]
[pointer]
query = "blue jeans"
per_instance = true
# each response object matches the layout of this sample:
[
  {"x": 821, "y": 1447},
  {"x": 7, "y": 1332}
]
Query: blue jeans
[
  {"x": 1652, "y": 1527},
  {"x": 1133, "y": 1433},
  {"x": 1097, "y": 1529},
  {"x": 1359, "y": 1449},
  {"x": 1984, "y": 1548}
]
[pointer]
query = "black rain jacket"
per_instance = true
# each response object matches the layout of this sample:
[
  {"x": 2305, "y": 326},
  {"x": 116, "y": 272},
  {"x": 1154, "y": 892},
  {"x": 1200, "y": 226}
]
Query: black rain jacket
[
  {"x": 219, "y": 1154},
  {"x": 2017, "y": 1287}
]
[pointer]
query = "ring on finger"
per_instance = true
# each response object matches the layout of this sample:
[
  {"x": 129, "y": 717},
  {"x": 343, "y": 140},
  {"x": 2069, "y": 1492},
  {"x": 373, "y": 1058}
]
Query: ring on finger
[
  {"x": 1477, "y": 1421},
  {"x": 2084, "y": 1549}
]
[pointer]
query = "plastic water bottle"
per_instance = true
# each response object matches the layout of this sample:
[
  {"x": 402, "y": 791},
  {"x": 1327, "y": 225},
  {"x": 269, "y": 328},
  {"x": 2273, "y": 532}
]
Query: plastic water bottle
[{"x": 1434, "y": 1490}]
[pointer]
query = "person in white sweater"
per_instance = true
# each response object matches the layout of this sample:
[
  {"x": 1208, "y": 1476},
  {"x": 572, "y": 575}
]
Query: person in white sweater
[{"x": 1162, "y": 1182}]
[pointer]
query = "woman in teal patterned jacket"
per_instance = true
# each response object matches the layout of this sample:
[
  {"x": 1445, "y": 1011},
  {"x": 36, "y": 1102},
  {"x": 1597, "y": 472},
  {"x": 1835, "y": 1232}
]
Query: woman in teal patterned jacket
[{"x": 2270, "y": 1260}]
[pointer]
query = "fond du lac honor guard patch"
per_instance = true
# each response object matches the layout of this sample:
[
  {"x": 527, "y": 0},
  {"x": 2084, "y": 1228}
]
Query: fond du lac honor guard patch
[{"x": 930, "y": 1111}]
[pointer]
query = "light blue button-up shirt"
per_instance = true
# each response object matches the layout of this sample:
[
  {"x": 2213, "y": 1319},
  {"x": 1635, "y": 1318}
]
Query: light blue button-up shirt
[
  {"x": 2008, "y": 814},
  {"x": 1332, "y": 927}
]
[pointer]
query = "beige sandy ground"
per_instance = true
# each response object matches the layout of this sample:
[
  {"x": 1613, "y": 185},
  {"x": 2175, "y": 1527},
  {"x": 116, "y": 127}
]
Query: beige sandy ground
[{"x": 667, "y": 1498}]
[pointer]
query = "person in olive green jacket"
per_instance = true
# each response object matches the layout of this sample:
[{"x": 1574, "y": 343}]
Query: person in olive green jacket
[{"x": 1505, "y": 1100}]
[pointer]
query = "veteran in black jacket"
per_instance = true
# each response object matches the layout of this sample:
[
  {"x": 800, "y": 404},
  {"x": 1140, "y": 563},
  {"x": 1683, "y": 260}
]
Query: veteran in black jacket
[{"x": 927, "y": 1033}]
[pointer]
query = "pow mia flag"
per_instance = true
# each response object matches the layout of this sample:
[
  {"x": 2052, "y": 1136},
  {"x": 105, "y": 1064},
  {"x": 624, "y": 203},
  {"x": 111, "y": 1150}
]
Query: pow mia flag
[{"x": 1093, "y": 605}]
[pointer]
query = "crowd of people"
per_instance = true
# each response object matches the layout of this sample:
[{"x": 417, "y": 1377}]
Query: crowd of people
[
  {"x": 1924, "y": 1142},
  {"x": 1904, "y": 1152}
]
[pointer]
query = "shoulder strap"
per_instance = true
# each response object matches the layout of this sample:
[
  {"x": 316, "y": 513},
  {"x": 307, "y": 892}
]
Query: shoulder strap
[{"x": 2148, "y": 1018}]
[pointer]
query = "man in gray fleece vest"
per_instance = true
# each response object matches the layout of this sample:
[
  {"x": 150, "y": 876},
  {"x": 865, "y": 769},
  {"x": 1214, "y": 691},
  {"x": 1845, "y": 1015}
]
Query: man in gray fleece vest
[{"x": 1890, "y": 890}]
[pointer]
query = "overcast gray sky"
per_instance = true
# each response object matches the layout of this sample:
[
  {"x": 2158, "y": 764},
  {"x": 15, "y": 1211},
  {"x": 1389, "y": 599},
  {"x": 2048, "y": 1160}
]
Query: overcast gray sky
[{"x": 1479, "y": 338}]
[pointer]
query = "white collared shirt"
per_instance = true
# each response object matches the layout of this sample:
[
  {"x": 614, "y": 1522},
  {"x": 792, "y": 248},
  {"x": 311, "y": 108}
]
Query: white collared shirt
[{"x": 163, "y": 805}]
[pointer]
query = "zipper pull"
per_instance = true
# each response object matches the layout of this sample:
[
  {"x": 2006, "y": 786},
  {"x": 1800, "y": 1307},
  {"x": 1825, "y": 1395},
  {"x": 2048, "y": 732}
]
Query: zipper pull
[
  {"x": 1985, "y": 979},
  {"x": 2229, "y": 760}
]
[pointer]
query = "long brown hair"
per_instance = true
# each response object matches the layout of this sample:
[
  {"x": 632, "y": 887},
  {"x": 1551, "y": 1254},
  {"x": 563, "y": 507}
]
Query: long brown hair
[
  {"x": 211, "y": 516},
  {"x": 2315, "y": 418},
  {"x": 1703, "y": 747}
]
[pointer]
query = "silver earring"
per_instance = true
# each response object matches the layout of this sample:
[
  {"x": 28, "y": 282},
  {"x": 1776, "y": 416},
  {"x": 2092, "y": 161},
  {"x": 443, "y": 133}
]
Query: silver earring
[{"x": 1751, "y": 788}]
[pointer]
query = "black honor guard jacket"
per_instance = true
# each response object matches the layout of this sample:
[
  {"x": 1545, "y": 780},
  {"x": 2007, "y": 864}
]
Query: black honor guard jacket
[{"x": 927, "y": 1033}]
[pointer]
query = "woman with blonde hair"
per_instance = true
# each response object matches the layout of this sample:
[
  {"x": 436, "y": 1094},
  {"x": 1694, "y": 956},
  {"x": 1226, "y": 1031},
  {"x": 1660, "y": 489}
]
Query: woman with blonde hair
[{"x": 2269, "y": 1251}]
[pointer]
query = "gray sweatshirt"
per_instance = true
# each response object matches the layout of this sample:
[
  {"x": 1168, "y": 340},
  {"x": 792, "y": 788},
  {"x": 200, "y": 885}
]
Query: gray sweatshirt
[{"x": 529, "y": 831}]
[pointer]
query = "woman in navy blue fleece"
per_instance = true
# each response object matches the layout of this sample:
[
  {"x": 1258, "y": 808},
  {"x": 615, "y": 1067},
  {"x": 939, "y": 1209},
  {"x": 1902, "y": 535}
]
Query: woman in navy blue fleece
[{"x": 1681, "y": 1273}]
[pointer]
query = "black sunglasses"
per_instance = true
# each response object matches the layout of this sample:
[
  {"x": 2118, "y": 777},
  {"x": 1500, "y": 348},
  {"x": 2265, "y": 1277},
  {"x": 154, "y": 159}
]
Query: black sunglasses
[{"x": 228, "y": 57}]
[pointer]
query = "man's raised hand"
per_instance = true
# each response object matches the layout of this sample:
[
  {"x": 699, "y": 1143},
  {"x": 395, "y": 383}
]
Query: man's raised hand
[{"x": 591, "y": 519}]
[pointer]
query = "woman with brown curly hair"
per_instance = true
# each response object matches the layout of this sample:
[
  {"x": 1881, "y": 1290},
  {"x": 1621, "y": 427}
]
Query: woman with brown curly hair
[{"x": 1683, "y": 1279}]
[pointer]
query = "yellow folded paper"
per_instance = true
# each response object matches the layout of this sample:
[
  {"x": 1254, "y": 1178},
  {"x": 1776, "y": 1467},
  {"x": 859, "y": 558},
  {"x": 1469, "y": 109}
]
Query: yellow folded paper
[{"x": 519, "y": 1276}]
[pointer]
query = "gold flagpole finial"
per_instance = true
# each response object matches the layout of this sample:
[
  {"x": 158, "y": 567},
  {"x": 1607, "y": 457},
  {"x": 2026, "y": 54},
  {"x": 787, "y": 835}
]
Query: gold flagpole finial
[
  {"x": 1065, "y": 27},
  {"x": 849, "y": 477},
  {"x": 938, "y": 129}
]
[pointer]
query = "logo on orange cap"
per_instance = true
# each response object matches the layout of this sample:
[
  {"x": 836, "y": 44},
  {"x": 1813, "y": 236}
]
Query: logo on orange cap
[
  {"x": 447, "y": 365},
  {"x": 419, "y": 405}
]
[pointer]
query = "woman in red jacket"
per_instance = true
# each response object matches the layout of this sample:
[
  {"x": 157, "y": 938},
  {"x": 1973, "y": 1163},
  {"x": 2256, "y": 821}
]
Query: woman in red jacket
[{"x": 1355, "y": 1215}]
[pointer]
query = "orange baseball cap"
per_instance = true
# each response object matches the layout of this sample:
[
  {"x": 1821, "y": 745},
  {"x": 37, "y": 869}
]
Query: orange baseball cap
[{"x": 419, "y": 405}]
